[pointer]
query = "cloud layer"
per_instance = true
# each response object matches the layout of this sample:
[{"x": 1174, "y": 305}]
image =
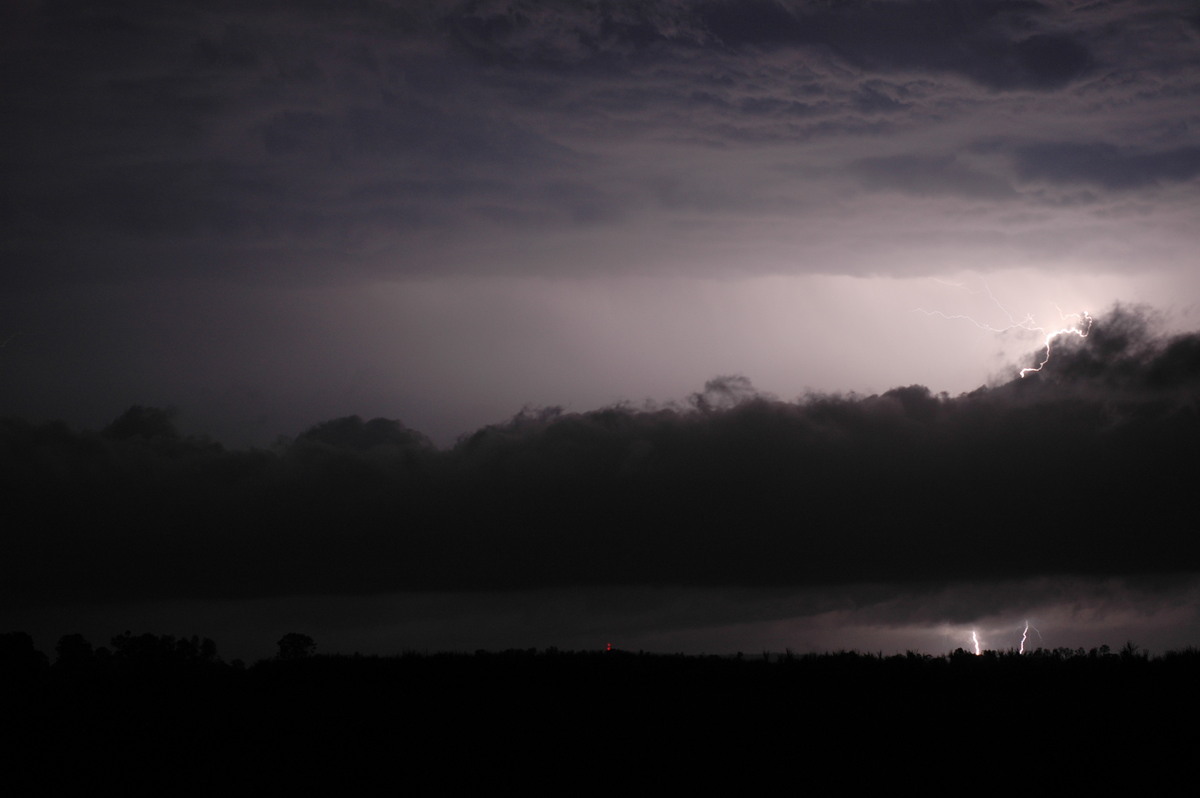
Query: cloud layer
[
  {"x": 327, "y": 143},
  {"x": 267, "y": 213},
  {"x": 1081, "y": 469}
]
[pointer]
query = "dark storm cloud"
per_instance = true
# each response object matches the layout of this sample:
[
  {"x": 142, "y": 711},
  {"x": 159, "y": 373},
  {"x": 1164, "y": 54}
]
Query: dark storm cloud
[
  {"x": 995, "y": 44},
  {"x": 1082, "y": 469},
  {"x": 920, "y": 175},
  {"x": 1106, "y": 165},
  {"x": 328, "y": 141},
  {"x": 1000, "y": 45}
]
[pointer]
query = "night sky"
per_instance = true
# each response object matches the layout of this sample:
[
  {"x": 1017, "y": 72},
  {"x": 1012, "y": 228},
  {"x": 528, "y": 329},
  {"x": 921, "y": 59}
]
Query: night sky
[{"x": 662, "y": 323}]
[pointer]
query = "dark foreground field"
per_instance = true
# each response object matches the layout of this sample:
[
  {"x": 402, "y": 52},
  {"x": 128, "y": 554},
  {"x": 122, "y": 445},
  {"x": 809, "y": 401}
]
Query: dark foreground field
[{"x": 166, "y": 716}]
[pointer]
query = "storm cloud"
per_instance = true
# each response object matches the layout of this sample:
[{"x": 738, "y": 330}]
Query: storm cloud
[
  {"x": 235, "y": 219},
  {"x": 335, "y": 143},
  {"x": 1080, "y": 470}
]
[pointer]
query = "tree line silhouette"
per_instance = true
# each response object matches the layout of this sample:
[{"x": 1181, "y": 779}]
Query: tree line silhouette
[
  {"x": 161, "y": 710},
  {"x": 147, "y": 652}
]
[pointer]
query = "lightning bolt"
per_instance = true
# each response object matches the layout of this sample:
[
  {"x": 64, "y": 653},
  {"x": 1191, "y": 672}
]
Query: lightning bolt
[
  {"x": 1025, "y": 635},
  {"x": 1076, "y": 324},
  {"x": 975, "y": 641},
  {"x": 1078, "y": 328}
]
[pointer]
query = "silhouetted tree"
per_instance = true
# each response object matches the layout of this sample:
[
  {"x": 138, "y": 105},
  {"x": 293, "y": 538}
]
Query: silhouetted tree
[
  {"x": 16, "y": 646},
  {"x": 294, "y": 645},
  {"x": 18, "y": 658},
  {"x": 73, "y": 652},
  {"x": 149, "y": 650}
]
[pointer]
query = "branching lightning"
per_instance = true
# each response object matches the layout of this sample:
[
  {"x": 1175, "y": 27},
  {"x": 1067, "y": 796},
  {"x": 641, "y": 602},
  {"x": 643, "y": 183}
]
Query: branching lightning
[
  {"x": 1025, "y": 636},
  {"x": 1081, "y": 327},
  {"x": 1075, "y": 324}
]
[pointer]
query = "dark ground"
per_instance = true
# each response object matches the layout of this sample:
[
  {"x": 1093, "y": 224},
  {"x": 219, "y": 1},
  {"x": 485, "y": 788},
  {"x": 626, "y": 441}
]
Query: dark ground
[{"x": 165, "y": 716}]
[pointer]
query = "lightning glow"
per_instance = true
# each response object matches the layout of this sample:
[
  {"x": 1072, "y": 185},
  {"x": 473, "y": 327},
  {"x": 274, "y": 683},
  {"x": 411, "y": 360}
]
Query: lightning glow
[
  {"x": 1025, "y": 635},
  {"x": 1075, "y": 324},
  {"x": 1076, "y": 328}
]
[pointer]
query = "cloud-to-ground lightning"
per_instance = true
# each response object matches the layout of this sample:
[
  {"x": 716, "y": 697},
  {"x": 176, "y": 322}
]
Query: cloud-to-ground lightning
[
  {"x": 1075, "y": 324},
  {"x": 978, "y": 646},
  {"x": 1025, "y": 635}
]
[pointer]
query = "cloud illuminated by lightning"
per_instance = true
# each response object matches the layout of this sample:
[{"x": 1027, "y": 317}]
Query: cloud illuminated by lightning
[{"x": 1075, "y": 324}]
